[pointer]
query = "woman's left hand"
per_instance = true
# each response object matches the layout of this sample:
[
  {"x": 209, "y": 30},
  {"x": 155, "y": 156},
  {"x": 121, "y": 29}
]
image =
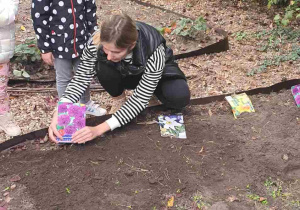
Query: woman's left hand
[{"x": 89, "y": 133}]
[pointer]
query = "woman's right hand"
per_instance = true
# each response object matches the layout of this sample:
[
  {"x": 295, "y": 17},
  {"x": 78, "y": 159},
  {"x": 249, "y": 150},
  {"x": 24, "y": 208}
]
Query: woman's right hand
[
  {"x": 53, "y": 133},
  {"x": 48, "y": 58}
]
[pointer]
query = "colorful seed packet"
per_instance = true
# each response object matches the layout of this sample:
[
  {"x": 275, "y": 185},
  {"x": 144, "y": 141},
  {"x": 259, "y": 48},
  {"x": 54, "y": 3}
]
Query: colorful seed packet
[
  {"x": 240, "y": 103},
  {"x": 296, "y": 93},
  {"x": 172, "y": 126},
  {"x": 71, "y": 117}
]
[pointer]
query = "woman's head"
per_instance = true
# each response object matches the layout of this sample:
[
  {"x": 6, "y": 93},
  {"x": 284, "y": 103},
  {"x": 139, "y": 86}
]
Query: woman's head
[{"x": 118, "y": 36}]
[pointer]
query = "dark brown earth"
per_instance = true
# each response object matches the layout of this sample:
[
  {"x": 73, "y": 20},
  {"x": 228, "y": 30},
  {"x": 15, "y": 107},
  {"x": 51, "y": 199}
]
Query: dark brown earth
[
  {"x": 219, "y": 166},
  {"x": 249, "y": 163}
]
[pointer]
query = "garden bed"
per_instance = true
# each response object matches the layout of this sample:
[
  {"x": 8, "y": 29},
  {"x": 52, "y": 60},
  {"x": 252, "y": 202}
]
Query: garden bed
[{"x": 228, "y": 163}]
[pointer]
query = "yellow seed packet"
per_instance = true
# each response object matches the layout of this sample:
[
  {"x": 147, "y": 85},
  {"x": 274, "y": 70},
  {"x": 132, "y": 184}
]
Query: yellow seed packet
[{"x": 240, "y": 103}]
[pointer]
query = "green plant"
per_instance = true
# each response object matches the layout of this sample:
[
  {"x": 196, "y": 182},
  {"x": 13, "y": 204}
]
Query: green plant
[
  {"x": 198, "y": 200},
  {"x": 190, "y": 28},
  {"x": 27, "y": 52},
  {"x": 276, "y": 61},
  {"x": 255, "y": 197},
  {"x": 21, "y": 73},
  {"x": 274, "y": 187},
  {"x": 68, "y": 190},
  {"x": 292, "y": 11},
  {"x": 240, "y": 35},
  {"x": 276, "y": 2},
  {"x": 272, "y": 39},
  {"x": 296, "y": 203}
]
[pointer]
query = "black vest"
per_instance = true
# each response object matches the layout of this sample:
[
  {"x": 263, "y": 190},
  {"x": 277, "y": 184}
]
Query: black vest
[{"x": 148, "y": 41}]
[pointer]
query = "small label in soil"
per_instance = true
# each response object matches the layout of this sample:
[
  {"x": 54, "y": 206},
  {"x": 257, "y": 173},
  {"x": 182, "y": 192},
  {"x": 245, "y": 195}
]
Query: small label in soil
[
  {"x": 240, "y": 103},
  {"x": 172, "y": 126},
  {"x": 296, "y": 93}
]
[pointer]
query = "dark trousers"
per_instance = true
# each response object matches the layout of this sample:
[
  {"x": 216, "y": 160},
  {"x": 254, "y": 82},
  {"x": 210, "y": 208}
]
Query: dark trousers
[{"x": 173, "y": 93}]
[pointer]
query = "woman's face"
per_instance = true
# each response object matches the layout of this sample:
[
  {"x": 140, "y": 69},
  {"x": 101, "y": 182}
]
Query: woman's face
[{"x": 114, "y": 54}]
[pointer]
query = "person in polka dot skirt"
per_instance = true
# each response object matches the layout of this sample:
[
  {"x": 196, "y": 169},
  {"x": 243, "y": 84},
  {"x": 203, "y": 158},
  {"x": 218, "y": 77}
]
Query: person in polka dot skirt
[
  {"x": 8, "y": 11},
  {"x": 62, "y": 28}
]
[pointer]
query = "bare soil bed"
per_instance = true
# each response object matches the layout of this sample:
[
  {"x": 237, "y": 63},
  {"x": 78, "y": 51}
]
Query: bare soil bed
[
  {"x": 223, "y": 164},
  {"x": 248, "y": 163}
]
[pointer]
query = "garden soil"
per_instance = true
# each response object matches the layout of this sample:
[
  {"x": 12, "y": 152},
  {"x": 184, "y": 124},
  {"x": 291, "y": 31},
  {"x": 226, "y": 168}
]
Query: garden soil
[{"x": 223, "y": 164}]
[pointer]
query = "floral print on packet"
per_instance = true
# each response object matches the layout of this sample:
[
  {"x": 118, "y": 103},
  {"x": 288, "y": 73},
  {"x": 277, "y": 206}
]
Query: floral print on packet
[
  {"x": 296, "y": 93},
  {"x": 71, "y": 117},
  {"x": 172, "y": 126}
]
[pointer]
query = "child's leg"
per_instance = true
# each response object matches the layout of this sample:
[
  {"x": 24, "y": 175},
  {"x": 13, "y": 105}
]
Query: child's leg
[
  {"x": 86, "y": 96},
  {"x": 173, "y": 93},
  {"x": 64, "y": 74},
  {"x": 4, "y": 98},
  {"x": 6, "y": 120}
]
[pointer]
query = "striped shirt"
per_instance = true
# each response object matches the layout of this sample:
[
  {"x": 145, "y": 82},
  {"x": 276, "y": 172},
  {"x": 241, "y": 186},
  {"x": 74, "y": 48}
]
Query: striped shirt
[{"x": 137, "y": 102}]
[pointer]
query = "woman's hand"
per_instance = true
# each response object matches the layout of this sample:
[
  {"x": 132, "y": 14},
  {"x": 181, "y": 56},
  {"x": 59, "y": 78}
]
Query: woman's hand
[
  {"x": 89, "y": 133},
  {"x": 53, "y": 133},
  {"x": 48, "y": 58}
]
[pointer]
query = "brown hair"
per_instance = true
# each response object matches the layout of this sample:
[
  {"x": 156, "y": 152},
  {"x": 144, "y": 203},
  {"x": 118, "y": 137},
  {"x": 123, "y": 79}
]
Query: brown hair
[{"x": 120, "y": 30}]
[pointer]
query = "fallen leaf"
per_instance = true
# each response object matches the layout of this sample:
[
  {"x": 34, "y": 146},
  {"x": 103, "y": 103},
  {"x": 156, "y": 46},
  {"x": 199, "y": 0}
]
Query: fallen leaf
[
  {"x": 173, "y": 25},
  {"x": 210, "y": 112},
  {"x": 95, "y": 162},
  {"x": 15, "y": 178},
  {"x": 201, "y": 150},
  {"x": 262, "y": 199},
  {"x": 7, "y": 199},
  {"x": 13, "y": 186},
  {"x": 232, "y": 198},
  {"x": 168, "y": 31},
  {"x": 285, "y": 157},
  {"x": 171, "y": 201},
  {"x": 23, "y": 28}
]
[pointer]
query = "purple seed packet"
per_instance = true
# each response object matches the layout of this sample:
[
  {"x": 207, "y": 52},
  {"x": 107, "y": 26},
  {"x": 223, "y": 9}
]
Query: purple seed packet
[
  {"x": 71, "y": 117},
  {"x": 296, "y": 93}
]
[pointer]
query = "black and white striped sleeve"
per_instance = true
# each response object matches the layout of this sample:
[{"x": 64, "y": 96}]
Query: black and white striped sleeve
[
  {"x": 84, "y": 74},
  {"x": 142, "y": 93}
]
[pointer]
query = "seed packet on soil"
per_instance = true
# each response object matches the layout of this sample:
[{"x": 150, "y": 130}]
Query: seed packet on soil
[
  {"x": 240, "y": 103},
  {"x": 71, "y": 117},
  {"x": 296, "y": 93},
  {"x": 172, "y": 126}
]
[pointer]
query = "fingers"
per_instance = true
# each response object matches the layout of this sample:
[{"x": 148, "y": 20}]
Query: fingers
[
  {"x": 56, "y": 133},
  {"x": 48, "y": 58},
  {"x": 51, "y": 136},
  {"x": 52, "y": 60},
  {"x": 82, "y": 136},
  {"x": 47, "y": 61}
]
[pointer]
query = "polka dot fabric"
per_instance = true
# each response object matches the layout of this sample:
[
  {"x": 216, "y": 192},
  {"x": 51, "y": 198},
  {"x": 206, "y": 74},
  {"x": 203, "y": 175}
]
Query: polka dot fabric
[{"x": 55, "y": 24}]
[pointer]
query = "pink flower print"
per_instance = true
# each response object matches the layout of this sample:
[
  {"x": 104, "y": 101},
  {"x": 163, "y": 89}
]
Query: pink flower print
[
  {"x": 70, "y": 130},
  {"x": 83, "y": 109},
  {"x": 79, "y": 123},
  {"x": 62, "y": 108},
  {"x": 297, "y": 99},
  {"x": 295, "y": 90},
  {"x": 63, "y": 120},
  {"x": 75, "y": 111}
]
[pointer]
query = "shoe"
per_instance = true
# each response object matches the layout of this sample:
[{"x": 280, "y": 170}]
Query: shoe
[
  {"x": 94, "y": 109},
  {"x": 8, "y": 126},
  {"x": 117, "y": 103}
]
